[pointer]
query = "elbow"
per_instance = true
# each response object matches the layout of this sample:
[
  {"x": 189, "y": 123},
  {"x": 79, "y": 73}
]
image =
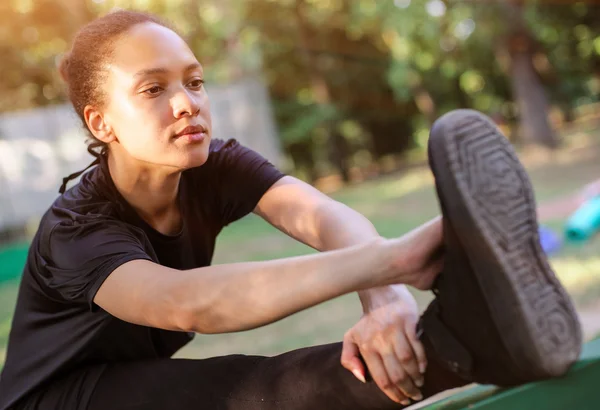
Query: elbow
[
  {"x": 209, "y": 313},
  {"x": 209, "y": 320},
  {"x": 203, "y": 318},
  {"x": 179, "y": 307},
  {"x": 188, "y": 318},
  {"x": 185, "y": 320}
]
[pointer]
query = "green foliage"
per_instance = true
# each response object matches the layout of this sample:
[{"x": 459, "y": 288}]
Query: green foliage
[
  {"x": 380, "y": 60},
  {"x": 303, "y": 119}
]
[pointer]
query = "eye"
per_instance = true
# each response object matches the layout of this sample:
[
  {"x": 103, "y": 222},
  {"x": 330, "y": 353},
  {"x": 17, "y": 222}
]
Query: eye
[
  {"x": 153, "y": 90},
  {"x": 196, "y": 84}
]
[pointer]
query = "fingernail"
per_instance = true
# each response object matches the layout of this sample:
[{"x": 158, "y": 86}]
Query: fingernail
[
  {"x": 420, "y": 383},
  {"x": 422, "y": 368},
  {"x": 359, "y": 375},
  {"x": 405, "y": 402},
  {"x": 418, "y": 397}
]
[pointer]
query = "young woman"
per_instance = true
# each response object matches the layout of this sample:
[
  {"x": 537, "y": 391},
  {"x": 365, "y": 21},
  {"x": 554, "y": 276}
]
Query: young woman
[{"x": 118, "y": 276}]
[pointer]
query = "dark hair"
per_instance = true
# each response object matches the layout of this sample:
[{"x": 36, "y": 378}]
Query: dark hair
[{"x": 82, "y": 68}]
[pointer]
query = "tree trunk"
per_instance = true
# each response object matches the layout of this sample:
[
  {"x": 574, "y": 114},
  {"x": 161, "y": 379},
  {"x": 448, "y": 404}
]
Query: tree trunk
[
  {"x": 339, "y": 155},
  {"x": 528, "y": 90},
  {"x": 532, "y": 102}
]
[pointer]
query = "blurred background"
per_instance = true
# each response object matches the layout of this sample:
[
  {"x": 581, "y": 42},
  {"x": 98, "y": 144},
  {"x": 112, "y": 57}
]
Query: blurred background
[{"x": 340, "y": 93}]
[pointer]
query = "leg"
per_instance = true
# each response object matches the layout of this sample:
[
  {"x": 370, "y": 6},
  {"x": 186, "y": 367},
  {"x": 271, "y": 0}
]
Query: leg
[
  {"x": 500, "y": 315},
  {"x": 310, "y": 378}
]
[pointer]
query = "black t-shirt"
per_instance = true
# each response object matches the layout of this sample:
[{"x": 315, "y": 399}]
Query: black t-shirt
[{"x": 88, "y": 232}]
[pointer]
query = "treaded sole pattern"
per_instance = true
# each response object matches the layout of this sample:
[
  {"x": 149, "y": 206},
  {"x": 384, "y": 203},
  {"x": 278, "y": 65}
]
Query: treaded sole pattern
[{"x": 529, "y": 305}]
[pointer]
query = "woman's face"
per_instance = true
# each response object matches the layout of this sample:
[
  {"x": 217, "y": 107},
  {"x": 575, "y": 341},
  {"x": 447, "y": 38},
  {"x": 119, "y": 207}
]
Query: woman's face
[{"x": 156, "y": 106}]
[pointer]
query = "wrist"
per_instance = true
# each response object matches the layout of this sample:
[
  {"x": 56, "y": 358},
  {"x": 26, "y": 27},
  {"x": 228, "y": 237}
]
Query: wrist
[
  {"x": 394, "y": 268},
  {"x": 375, "y": 298}
]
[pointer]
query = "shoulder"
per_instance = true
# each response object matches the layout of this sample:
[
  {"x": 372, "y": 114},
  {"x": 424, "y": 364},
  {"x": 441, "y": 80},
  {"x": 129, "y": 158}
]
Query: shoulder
[
  {"x": 238, "y": 177},
  {"x": 89, "y": 204},
  {"x": 92, "y": 197},
  {"x": 76, "y": 244}
]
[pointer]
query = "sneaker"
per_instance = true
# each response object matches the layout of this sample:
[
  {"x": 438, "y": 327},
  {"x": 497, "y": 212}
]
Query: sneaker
[{"x": 500, "y": 315}]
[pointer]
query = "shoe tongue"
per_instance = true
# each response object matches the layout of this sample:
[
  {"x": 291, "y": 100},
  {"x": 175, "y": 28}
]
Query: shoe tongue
[{"x": 446, "y": 348}]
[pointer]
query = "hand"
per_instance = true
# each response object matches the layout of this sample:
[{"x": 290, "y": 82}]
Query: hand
[
  {"x": 386, "y": 339},
  {"x": 417, "y": 257}
]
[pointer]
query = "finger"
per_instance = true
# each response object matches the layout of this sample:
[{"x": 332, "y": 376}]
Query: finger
[
  {"x": 398, "y": 374},
  {"x": 378, "y": 373},
  {"x": 351, "y": 359},
  {"x": 417, "y": 347},
  {"x": 407, "y": 358}
]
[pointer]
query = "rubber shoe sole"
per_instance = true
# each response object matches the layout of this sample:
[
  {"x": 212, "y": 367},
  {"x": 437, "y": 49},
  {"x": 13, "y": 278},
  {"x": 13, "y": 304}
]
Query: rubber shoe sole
[{"x": 488, "y": 202}]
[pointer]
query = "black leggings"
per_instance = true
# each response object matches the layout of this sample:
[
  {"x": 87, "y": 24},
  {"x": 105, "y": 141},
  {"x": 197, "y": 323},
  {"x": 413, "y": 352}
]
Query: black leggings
[{"x": 310, "y": 378}]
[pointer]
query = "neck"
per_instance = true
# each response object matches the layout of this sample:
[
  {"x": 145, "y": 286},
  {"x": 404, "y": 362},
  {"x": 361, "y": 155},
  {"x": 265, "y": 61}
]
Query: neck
[{"x": 150, "y": 190}]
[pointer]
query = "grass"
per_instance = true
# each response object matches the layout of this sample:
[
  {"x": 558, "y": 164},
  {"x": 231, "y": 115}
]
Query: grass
[
  {"x": 8, "y": 293},
  {"x": 395, "y": 204}
]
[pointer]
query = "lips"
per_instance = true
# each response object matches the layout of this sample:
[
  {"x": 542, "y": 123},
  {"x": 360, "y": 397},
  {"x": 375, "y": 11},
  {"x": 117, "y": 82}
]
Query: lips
[
  {"x": 192, "y": 134},
  {"x": 191, "y": 130}
]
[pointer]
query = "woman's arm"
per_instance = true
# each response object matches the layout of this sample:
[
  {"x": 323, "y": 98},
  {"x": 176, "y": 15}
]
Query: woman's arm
[
  {"x": 241, "y": 296},
  {"x": 390, "y": 312},
  {"x": 311, "y": 217}
]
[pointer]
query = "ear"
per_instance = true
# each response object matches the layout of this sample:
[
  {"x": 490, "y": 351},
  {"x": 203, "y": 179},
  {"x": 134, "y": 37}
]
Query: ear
[{"x": 98, "y": 125}]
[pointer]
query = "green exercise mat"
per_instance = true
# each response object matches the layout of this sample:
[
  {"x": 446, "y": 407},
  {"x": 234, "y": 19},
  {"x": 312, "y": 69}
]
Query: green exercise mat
[{"x": 12, "y": 260}]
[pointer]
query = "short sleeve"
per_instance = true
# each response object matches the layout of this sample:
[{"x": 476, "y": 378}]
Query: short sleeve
[
  {"x": 79, "y": 257},
  {"x": 243, "y": 177}
]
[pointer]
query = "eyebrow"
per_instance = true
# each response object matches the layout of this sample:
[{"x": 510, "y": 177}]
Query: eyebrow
[{"x": 159, "y": 70}]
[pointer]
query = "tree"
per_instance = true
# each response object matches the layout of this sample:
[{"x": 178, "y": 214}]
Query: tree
[{"x": 527, "y": 85}]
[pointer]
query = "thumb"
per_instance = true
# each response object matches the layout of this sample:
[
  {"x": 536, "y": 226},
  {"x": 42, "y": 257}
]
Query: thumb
[{"x": 351, "y": 360}]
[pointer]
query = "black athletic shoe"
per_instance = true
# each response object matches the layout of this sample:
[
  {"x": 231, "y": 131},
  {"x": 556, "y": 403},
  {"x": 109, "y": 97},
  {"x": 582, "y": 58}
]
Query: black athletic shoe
[{"x": 500, "y": 315}]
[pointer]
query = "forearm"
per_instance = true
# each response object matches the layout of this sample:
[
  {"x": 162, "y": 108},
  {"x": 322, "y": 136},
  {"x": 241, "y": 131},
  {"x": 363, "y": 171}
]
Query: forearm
[
  {"x": 242, "y": 296},
  {"x": 342, "y": 226},
  {"x": 319, "y": 222}
]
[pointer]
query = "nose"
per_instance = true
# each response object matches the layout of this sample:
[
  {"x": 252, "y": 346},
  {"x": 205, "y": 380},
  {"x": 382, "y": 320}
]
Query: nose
[{"x": 184, "y": 104}]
